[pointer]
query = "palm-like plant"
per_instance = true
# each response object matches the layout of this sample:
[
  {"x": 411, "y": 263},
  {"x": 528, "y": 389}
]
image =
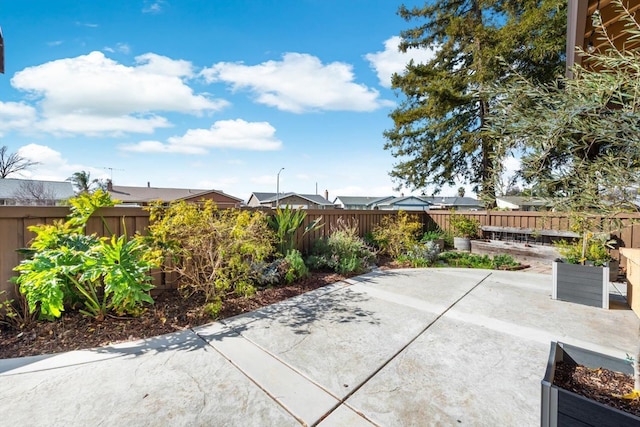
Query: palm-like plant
[{"x": 83, "y": 183}]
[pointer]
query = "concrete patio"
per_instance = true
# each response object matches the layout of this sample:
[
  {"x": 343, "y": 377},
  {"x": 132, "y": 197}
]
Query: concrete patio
[{"x": 393, "y": 348}]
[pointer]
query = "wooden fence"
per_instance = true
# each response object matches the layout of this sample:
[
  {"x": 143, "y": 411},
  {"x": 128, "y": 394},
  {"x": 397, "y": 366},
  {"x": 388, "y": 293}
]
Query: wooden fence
[{"x": 15, "y": 220}]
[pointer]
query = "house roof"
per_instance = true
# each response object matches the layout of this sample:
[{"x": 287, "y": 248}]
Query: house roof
[
  {"x": 149, "y": 194},
  {"x": 452, "y": 201},
  {"x": 400, "y": 200},
  {"x": 362, "y": 200},
  {"x": 58, "y": 190},
  {"x": 271, "y": 197},
  {"x": 524, "y": 201}
]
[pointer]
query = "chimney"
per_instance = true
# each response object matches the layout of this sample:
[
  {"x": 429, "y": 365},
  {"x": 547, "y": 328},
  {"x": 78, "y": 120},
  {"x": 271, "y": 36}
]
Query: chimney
[
  {"x": 326, "y": 194},
  {"x": 109, "y": 185},
  {"x": 148, "y": 184}
]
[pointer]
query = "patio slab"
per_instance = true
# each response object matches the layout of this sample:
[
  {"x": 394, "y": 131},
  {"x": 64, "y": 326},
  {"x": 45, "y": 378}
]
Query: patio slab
[
  {"x": 400, "y": 347},
  {"x": 188, "y": 383}
]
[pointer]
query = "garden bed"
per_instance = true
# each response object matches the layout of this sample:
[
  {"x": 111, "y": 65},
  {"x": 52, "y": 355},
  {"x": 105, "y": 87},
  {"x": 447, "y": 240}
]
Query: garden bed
[{"x": 170, "y": 312}]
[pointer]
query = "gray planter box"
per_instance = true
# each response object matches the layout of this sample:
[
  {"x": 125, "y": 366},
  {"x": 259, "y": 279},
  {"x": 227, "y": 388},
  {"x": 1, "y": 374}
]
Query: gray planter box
[
  {"x": 582, "y": 284},
  {"x": 462, "y": 243},
  {"x": 561, "y": 407}
]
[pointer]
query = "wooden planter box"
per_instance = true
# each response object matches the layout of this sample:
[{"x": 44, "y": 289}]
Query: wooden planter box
[
  {"x": 561, "y": 407},
  {"x": 633, "y": 277},
  {"x": 582, "y": 284}
]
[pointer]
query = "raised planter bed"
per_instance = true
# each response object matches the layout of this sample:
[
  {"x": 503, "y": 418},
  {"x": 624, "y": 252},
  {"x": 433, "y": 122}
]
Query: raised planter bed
[
  {"x": 582, "y": 284},
  {"x": 561, "y": 407},
  {"x": 518, "y": 250}
]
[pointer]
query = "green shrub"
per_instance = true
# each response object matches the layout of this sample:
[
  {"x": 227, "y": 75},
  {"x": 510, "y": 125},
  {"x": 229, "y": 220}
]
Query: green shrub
[
  {"x": 464, "y": 226},
  {"x": 421, "y": 254},
  {"x": 214, "y": 252},
  {"x": 468, "y": 260},
  {"x": 66, "y": 267},
  {"x": 285, "y": 223},
  {"x": 266, "y": 274},
  {"x": 15, "y": 313},
  {"x": 396, "y": 234},
  {"x": 503, "y": 261},
  {"x": 432, "y": 235},
  {"x": 595, "y": 251},
  {"x": 343, "y": 251},
  {"x": 296, "y": 268}
]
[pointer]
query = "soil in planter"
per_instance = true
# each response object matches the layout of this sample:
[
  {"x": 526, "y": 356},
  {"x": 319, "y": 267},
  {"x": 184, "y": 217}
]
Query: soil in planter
[{"x": 597, "y": 384}]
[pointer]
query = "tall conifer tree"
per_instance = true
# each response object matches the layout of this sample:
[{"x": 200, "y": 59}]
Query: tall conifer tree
[{"x": 439, "y": 128}]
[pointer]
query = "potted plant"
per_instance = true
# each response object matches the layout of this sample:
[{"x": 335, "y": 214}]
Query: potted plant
[
  {"x": 464, "y": 228},
  {"x": 561, "y": 406}
]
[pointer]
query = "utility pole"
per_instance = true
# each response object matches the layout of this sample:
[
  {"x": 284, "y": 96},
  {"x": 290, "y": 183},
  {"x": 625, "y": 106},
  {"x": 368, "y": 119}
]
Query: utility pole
[{"x": 278, "y": 188}]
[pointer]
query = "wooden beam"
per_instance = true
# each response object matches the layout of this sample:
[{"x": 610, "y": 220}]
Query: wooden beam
[{"x": 576, "y": 21}]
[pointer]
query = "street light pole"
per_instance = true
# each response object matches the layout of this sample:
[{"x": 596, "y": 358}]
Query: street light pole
[{"x": 278, "y": 189}]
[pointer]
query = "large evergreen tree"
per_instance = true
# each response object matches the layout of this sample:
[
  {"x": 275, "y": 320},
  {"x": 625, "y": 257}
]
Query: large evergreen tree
[{"x": 438, "y": 135}]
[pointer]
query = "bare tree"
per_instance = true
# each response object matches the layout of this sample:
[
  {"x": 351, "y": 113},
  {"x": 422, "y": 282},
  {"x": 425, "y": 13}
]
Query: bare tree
[
  {"x": 34, "y": 193},
  {"x": 11, "y": 163}
]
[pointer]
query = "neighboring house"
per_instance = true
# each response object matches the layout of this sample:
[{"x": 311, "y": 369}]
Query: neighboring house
[
  {"x": 292, "y": 200},
  {"x": 30, "y": 192},
  {"x": 403, "y": 203},
  {"x": 359, "y": 202},
  {"x": 521, "y": 203},
  {"x": 386, "y": 203},
  {"x": 143, "y": 196},
  {"x": 454, "y": 202}
]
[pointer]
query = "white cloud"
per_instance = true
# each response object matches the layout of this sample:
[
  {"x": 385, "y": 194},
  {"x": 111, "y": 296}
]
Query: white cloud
[
  {"x": 299, "y": 83},
  {"x": 111, "y": 96},
  {"x": 86, "y": 24},
  {"x": 391, "y": 60},
  {"x": 54, "y": 43},
  {"x": 96, "y": 125},
  {"x": 154, "y": 6},
  {"x": 16, "y": 115},
  {"x": 120, "y": 47},
  {"x": 232, "y": 134},
  {"x": 160, "y": 147},
  {"x": 51, "y": 165}
]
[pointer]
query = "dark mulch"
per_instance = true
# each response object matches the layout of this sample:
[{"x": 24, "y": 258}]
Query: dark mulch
[
  {"x": 170, "y": 312},
  {"x": 598, "y": 384}
]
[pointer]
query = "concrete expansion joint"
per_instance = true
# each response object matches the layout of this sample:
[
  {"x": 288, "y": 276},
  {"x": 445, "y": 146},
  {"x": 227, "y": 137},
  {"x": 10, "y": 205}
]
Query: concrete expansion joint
[{"x": 400, "y": 351}]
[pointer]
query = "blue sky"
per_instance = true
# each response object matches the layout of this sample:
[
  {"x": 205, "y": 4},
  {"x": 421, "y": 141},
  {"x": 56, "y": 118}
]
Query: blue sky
[{"x": 205, "y": 93}]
